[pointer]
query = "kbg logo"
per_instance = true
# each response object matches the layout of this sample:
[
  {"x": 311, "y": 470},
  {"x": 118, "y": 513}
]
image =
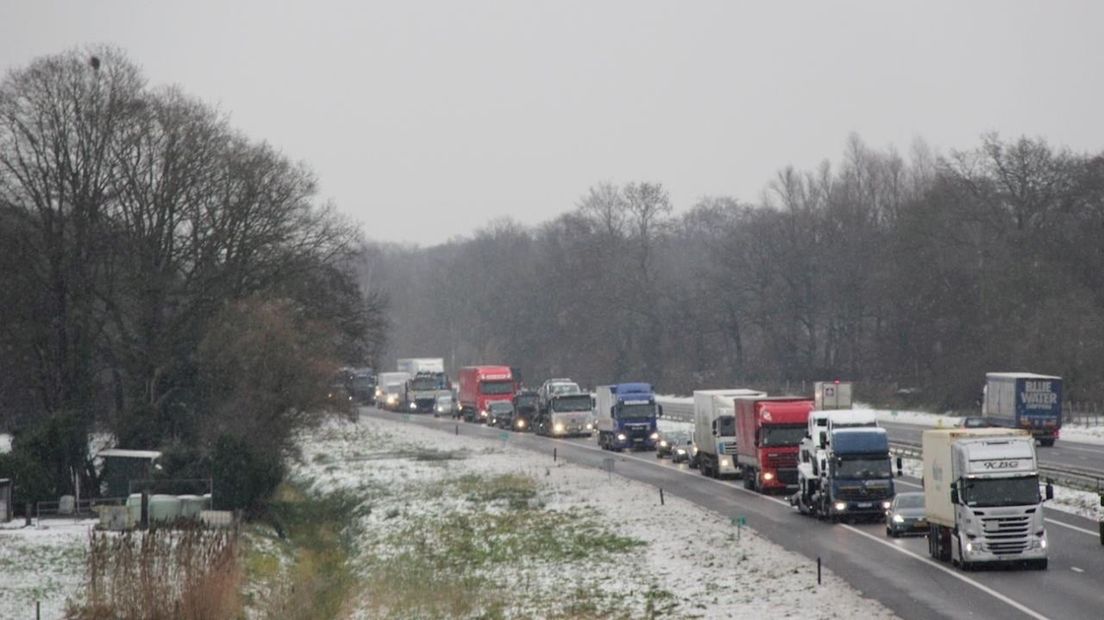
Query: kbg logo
[{"x": 1001, "y": 464}]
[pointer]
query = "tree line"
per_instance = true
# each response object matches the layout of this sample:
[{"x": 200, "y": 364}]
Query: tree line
[
  {"x": 913, "y": 275},
  {"x": 165, "y": 279}
]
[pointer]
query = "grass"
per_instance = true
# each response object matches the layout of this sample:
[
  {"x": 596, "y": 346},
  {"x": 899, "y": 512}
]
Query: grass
[{"x": 476, "y": 562}]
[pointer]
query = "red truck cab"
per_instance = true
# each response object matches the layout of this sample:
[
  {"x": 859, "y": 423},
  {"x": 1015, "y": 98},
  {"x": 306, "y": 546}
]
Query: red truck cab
[
  {"x": 481, "y": 385},
  {"x": 769, "y": 431}
]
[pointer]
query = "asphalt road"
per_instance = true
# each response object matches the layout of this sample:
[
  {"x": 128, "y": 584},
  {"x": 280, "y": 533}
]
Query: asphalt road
[{"x": 897, "y": 572}]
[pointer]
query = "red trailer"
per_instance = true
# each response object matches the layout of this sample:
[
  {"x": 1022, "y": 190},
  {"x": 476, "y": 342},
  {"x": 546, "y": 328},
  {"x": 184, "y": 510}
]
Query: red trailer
[
  {"x": 481, "y": 385},
  {"x": 769, "y": 431}
]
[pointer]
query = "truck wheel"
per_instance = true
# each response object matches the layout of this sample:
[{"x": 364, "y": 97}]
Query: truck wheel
[
  {"x": 1046, "y": 443},
  {"x": 1040, "y": 564},
  {"x": 749, "y": 479}
]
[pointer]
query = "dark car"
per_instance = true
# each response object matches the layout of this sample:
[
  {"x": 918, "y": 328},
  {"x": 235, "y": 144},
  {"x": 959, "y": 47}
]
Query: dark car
[
  {"x": 975, "y": 422},
  {"x": 675, "y": 445},
  {"x": 906, "y": 515},
  {"x": 525, "y": 409},
  {"x": 500, "y": 413}
]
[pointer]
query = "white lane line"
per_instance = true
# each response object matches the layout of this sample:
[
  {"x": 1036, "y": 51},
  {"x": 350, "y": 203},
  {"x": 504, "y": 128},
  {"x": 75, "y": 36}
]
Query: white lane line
[
  {"x": 1077, "y": 570},
  {"x": 1047, "y": 519},
  {"x": 932, "y": 563}
]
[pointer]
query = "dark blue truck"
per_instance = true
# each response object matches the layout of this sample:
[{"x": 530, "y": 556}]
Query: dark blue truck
[{"x": 1024, "y": 400}]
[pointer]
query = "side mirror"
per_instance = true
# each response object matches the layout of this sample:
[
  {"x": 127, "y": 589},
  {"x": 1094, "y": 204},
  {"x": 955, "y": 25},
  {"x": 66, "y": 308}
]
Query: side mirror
[
  {"x": 954, "y": 495},
  {"x": 900, "y": 467},
  {"x": 1049, "y": 491},
  {"x": 659, "y": 412},
  {"x": 611, "y": 411}
]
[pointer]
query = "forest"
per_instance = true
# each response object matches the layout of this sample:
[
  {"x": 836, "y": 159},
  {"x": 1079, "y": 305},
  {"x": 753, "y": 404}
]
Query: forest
[{"x": 911, "y": 274}]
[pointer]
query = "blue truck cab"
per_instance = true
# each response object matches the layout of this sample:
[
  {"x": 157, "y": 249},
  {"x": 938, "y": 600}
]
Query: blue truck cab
[
  {"x": 856, "y": 475},
  {"x": 1024, "y": 400},
  {"x": 625, "y": 416}
]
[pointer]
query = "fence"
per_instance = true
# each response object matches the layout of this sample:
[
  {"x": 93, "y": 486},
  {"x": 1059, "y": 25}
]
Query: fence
[{"x": 1086, "y": 413}]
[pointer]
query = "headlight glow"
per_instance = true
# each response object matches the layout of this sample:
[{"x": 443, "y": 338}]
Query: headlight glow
[
  {"x": 768, "y": 475},
  {"x": 969, "y": 547},
  {"x": 413, "y": 406},
  {"x": 898, "y": 519},
  {"x": 885, "y": 505},
  {"x": 841, "y": 506},
  {"x": 681, "y": 451},
  {"x": 621, "y": 437},
  {"x": 483, "y": 413},
  {"x": 663, "y": 443},
  {"x": 521, "y": 423},
  {"x": 654, "y": 436},
  {"x": 558, "y": 427}
]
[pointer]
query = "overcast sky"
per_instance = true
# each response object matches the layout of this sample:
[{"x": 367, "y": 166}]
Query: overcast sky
[{"x": 425, "y": 120}]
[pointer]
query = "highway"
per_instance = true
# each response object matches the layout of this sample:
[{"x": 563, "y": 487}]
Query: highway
[{"x": 897, "y": 572}]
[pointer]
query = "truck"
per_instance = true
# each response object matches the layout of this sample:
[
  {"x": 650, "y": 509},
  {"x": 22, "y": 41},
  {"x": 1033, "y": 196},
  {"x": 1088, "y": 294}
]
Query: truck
[
  {"x": 569, "y": 414},
  {"x": 362, "y": 386},
  {"x": 850, "y": 479},
  {"x": 481, "y": 385},
  {"x": 525, "y": 409},
  {"x": 424, "y": 390},
  {"x": 714, "y": 452},
  {"x": 769, "y": 431},
  {"x": 815, "y": 443},
  {"x": 981, "y": 494},
  {"x": 832, "y": 395},
  {"x": 390, "y": 388},
  {"x": 625, "y": 416},
  {"x": 1024, "y": 400},
  {"x": 551, "y": 387}
]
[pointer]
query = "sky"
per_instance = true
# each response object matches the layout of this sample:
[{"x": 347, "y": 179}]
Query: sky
[{"x": 427, "y": 120}]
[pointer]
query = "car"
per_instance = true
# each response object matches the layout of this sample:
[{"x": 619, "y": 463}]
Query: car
[
  {"x": 975, "y": 422},
  {"x": 671, "y": 443},
  {"x": 906, "y": 515},
  {"x": 500, "y": 413}
]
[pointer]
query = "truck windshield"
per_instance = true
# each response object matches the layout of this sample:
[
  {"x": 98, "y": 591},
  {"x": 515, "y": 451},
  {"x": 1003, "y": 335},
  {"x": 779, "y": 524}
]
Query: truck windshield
[
  {"x": 863, "y": 468},
  {"x": 1001, "y": 491},
  {"x": 725, "y": 426},
  {"x": 571, "y": 403},
  {"x": 782, "y": 435},
  {"x": 496, "y": 387},
  {"x": 425, "y": 383},
  {"x": 635, "y": 411},
  {"x": 527, "y": 402}
]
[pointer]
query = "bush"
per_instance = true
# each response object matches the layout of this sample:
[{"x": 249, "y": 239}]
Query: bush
[{"x": 243, "y": 475}]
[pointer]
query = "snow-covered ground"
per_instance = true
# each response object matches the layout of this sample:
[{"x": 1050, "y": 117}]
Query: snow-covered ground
[
  {"x": 44, "y": 564},
  {"x": 415, "y": 476}
]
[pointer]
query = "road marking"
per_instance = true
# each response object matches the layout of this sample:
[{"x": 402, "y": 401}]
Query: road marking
[
  {"x": 1077, "y": 570},
  {"x": 932, "y": 563}
]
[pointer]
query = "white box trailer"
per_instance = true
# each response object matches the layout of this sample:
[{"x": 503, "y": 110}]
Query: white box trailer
[
  {"x": 715, "y": 442},
  {"x": 415, "y": 365},
  {"x": 981, "y": 496},
  {"x": 832, "y": 395}
]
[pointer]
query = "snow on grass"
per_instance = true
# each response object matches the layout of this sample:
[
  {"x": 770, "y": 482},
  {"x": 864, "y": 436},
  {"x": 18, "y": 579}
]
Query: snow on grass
[
  {"x": 458, "y": 526},
  {"x": 1083, "y": 433},
  {"x": 41, "y": 564}
]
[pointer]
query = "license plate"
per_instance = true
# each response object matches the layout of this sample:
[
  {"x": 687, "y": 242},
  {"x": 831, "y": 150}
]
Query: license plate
[{"x": 865, "y": 504}]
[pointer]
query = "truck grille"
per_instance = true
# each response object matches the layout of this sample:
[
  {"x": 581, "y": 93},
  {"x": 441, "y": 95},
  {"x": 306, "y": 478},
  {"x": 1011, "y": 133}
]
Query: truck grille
[
  {"x": 728, "y": 447},
  {"x": 1006, "y": 535},
  {"x": 425, "y": 404},
  {"x": 779, "y": 461},
  {"x": 787, "y": 476},
  {"x": 862, "y": 493}
]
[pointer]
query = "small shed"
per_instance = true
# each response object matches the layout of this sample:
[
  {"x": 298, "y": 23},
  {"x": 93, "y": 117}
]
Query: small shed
[
  {"x": 6, "y": 507},
  {"x": 120, "y": 466}
]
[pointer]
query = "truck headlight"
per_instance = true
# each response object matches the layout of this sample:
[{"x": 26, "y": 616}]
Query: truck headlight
[
  {"x": 1042, "y": 543},
  {"x": 590, "y": 426},
  {"x": 681, "y": 451},
  {"x": 885, "y": 505},
  {"x": 840, "y": 506},
  {"x": 969, "y": 547},
  {"x": 654, "y": 436},
  {"x": 898, "y": 519},
  {"x": 521, "y": 423},
  {"x": 558, "y": 427},
  {"x": 663, "y": 444},
  {"x": 483, "y": 414},
  {"x": 413, "y": 406},
  {"x": 621, "y": 437},
  {"x": 768, "y": 476}
]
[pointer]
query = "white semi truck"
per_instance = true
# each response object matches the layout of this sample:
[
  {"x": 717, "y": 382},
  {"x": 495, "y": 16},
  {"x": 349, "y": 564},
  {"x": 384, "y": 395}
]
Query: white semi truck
[
  {"x": 390, "y": 388},
  {"x": 715, "y": 430},
  {"x": 427, "y": 384},
  {"x": 981, "y": 495}
]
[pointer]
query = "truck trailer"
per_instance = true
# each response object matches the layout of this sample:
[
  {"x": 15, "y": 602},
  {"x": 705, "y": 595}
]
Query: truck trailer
[
  {"x": 981, "y": 494},
  {"x": 480, "y": 385},
  {"x": 625, "y": 416},
  {"x": 832, "y": 395},
  {"x": 1024, "y": 400},
  {"x": 769, "y": 431},
  {"x": 714, "y": 452}
]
